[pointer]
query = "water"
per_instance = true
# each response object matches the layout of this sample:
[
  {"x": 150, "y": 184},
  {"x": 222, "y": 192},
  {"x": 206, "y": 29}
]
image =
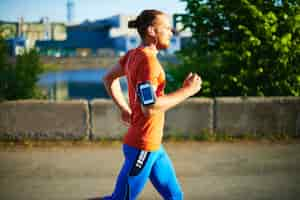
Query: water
[{"x": 76, "y": 84}]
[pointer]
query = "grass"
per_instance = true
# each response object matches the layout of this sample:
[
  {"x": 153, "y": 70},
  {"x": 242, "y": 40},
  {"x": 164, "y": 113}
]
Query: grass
[
  {"x": 225, "y": 137},
  {"x": 57, "y": 143},
  {"x": 204, "y": 136}
]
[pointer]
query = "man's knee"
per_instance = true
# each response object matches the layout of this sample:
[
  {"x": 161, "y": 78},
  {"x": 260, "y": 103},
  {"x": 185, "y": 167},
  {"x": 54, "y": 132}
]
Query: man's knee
[
  {"x": 178, "y": 195},
  {"x": 174, "y": 193}
]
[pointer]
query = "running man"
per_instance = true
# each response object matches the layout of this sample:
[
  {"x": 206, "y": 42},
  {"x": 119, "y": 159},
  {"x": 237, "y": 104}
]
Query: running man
[{"x": 145, "y": 156}]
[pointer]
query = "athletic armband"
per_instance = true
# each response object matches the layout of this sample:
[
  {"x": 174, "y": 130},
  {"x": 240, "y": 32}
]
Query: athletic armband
[{"x": 146, "y": 93}]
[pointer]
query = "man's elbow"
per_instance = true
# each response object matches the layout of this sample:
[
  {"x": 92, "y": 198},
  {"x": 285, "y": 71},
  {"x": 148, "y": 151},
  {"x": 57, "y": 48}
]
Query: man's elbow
[
  {"x": 106, "y": 79},
  {"x": 150, "y": 110}
]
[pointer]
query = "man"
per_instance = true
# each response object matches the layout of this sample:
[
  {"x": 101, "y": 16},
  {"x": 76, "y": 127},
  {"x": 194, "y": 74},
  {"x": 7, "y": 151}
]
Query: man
[{"x": 145, "y": 156}]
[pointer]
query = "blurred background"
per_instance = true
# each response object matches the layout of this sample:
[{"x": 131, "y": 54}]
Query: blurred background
[
  {"x": 75, "y": 41},
  {"x": 60, "y": 49}
]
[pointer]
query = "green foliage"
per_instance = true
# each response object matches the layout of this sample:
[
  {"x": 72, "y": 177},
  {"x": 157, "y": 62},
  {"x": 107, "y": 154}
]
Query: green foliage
[
  {"x": 18, "y": 81},
  {"x": 7, "y": 30},
  {"x": 242, "y": 47}
]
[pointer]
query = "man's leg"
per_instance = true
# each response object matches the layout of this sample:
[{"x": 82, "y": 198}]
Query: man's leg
[
  {"x": 133, "y": 175},
  {"x": 163, "y": 178}
]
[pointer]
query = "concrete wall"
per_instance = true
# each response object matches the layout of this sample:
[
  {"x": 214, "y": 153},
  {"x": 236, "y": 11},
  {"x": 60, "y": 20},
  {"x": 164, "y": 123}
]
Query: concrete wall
[
  {"x": 255, "y": 115},
  {"x": 36, "y": 119},
  {"x": 79, "y": 119},
  {"x": 193, "y": 116},
  {"x": 77, "y": 62},
  {"x": 106, "y": 121}
]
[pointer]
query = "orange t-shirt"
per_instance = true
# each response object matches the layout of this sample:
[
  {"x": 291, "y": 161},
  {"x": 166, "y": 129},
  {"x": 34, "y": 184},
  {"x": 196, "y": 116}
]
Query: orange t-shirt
[{"x": 140, "y": 65}]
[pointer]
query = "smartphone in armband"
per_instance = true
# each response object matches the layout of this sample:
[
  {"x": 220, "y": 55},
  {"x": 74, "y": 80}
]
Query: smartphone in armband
[{"x": 146, "y": 93}]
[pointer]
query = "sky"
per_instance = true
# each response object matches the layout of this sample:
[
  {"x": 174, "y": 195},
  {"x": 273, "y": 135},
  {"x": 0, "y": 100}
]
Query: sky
[{"x": 56, "y": 11}]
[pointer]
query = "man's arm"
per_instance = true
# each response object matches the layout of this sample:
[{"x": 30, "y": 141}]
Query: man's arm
[
  {"x": 191, "y": 86},
  {"x": 112, "y": 85}
]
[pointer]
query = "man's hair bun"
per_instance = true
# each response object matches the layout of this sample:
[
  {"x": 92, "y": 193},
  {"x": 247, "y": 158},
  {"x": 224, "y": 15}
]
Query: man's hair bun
[
  {"x": 132, "y": 24},
  {"x": 145, "y": 19}
]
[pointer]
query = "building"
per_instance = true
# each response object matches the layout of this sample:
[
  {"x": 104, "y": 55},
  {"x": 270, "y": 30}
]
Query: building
[
  {"x": 109, "y": 35},
  {"x": 185, "y": 34},
  {"x": 16, "y": 46},
  {"x": 26, "y": 34}
]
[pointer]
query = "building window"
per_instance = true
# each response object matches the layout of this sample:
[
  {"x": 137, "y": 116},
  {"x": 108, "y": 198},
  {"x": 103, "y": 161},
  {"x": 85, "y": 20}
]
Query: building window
[{"x": 133, "y": 40}]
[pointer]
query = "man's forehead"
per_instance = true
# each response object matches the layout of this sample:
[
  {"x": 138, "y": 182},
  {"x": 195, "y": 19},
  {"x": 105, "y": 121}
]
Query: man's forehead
[{"x": 163, "y": 20}]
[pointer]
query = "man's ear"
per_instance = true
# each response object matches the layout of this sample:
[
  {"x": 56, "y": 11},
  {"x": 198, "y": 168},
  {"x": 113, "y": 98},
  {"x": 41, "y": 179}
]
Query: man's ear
[{"x": 151, "y": 31}]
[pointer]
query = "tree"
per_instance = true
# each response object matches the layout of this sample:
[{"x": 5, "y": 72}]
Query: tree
[
  {"x": 242, "y": 47},
  {"x": 18, "y": 81},
  {"x": 7, "y": 30}
]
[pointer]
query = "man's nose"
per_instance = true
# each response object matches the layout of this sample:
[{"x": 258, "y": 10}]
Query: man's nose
[{"x": 174, "y": 31}]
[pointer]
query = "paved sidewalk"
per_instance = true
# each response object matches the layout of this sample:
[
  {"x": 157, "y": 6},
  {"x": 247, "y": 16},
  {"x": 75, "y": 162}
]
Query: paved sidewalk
[{"x": 207, "y": 171}]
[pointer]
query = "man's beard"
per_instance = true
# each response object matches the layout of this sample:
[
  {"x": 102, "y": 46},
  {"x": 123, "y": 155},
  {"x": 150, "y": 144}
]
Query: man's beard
[{"x": 162, "y": 46}]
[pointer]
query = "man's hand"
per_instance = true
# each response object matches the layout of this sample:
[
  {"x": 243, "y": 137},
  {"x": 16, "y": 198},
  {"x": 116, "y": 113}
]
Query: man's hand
[
  {"x": 193, "y": 83},
  {"x": 126, "y": 116}
]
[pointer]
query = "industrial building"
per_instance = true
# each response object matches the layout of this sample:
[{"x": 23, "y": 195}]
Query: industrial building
[
  {"x": 23, "y": 35},
  {"x": 109, "y": 35}
]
